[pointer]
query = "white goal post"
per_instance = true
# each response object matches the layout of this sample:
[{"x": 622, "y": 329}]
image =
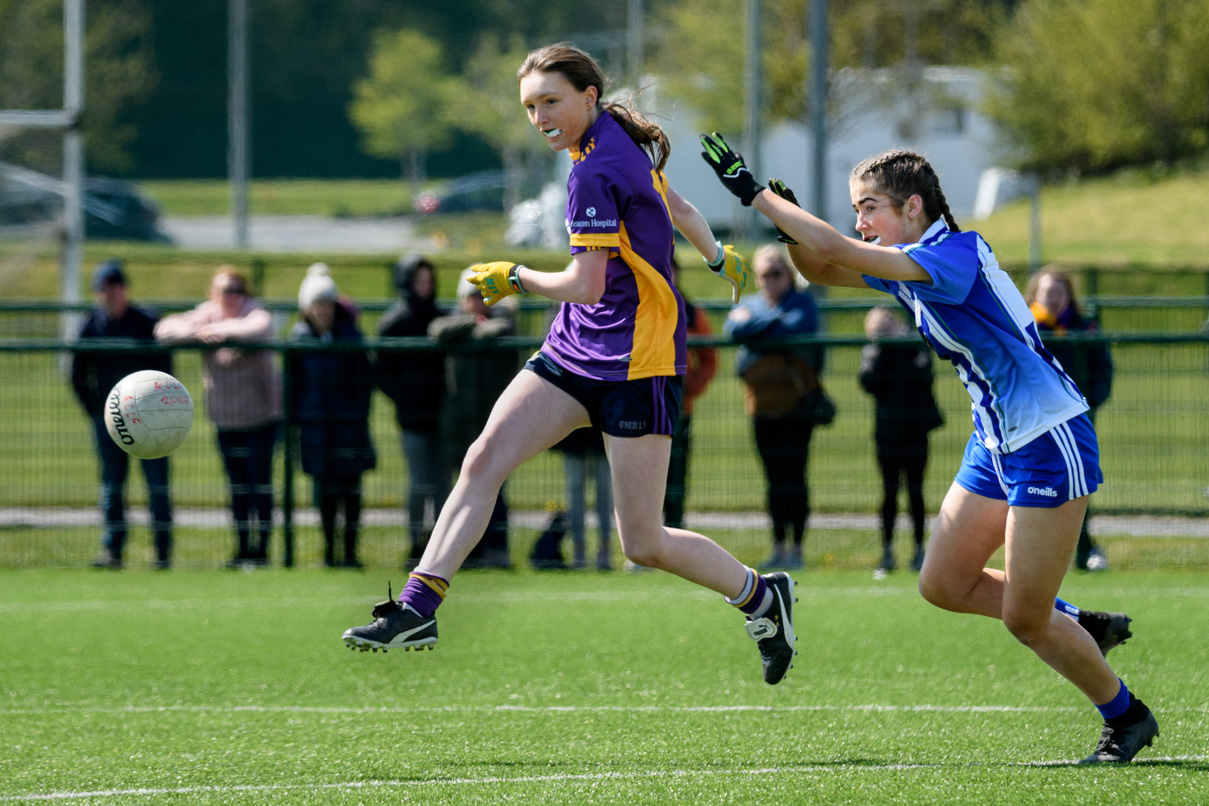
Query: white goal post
[{"x": 71, "y": 185}]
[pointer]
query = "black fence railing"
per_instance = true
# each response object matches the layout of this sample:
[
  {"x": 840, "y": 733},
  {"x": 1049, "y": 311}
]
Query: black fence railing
[
  {"x": 1154, "y": 438},
  {"x": 23, "y": 319}
]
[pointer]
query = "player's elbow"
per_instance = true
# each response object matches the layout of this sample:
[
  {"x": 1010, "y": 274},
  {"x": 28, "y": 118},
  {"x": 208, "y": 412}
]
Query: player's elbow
[
  {"x": 591, "y": 291},
  {"x": 831, "y": 251}
]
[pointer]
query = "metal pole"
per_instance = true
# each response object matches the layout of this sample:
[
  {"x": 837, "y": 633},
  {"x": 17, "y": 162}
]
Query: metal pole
[
  {"x": 73, "y": 162},
  {"x": 288, "y": 452},
  {"x": 1034, "y": 241},
  {"x": 818, "y": 105},
  {"x": 751, "y": 106},
  {"x": 237, "y": 117},
  {"x": 634, "y": 41}
]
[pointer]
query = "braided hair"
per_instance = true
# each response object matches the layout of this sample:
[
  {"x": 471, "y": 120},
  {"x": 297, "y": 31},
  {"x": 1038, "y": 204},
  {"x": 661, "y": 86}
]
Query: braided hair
[
  {"x": 903, "y": 174},
  {"x": 581, "y": 72}
]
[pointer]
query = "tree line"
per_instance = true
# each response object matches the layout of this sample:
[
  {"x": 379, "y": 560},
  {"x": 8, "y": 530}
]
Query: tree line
[{"x": 379, "y": 88}]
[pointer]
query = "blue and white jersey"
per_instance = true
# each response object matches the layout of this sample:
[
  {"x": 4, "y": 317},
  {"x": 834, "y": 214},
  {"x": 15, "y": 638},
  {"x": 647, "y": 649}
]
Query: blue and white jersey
[{"x": 973, "y": 316}]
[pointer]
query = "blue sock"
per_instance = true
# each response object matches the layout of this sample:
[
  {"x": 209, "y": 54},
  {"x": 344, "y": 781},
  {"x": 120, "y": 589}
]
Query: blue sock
[
  {"x": 1067, "y": 608},
  {"x": 1117, "y": 706}
]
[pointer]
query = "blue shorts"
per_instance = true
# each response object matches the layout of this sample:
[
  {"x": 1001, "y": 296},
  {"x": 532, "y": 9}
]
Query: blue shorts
[
  {"x": 1060, "y": 465},
  {"x": 618, "y": 408}
]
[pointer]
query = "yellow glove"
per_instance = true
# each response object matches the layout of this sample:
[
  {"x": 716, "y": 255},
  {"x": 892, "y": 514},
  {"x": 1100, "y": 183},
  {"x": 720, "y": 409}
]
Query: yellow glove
[
  {"x": 732, "y": 267},
  {"x": 497, "y": 280}
]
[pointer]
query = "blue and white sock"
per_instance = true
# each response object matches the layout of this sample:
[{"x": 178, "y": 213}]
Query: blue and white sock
[{"x": 1067, "y": 608}]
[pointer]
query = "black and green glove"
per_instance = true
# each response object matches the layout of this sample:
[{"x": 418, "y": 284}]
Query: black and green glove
[
  {"x": 730, "y": 168},
  {"x": 778, "y": 187}
]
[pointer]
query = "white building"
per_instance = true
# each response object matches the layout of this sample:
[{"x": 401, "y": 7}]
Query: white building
[{"x": 939, "y": 117}]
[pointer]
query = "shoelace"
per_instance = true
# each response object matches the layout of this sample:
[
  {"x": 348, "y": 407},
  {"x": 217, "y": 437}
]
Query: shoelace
[
  {"x": 384, "y": 609},
  {"x": 1108, "y": 740}
]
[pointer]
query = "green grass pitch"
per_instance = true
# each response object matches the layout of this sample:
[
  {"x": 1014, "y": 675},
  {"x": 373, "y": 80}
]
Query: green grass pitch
[{"x": 209, "y": 687}]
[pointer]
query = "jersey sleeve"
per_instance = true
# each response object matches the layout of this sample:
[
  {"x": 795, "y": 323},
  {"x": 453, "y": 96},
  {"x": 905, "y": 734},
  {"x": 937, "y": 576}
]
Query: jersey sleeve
[
  {"x": 595, "y": 200},
  {"x": 951, "y": 263}
]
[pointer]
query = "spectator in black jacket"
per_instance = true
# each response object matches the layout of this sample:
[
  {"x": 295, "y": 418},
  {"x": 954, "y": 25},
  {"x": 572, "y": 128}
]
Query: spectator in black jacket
[
  {"x": 1051, "y": 297},
  {"x": 899, "y": 376},
  {"x": 476, "y": 376},
  {"x": 331, "y": 393},
  {"x": 415, "y": 381},
  {"x": 93, "y": 374}
]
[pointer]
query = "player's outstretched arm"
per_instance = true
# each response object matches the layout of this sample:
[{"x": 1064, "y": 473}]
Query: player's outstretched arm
[
  {"x": 809, "y": 265},
  {"x": 722, "y": 260},
  {"x": 582, "y": 281},
  {"x": 826, "y": 257},
  {"x": 841, "y": 260}
]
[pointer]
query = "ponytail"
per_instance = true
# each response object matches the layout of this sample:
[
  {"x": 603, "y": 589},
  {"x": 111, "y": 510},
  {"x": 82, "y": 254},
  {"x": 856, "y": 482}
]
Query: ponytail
[{"x": 646, "y": 134}]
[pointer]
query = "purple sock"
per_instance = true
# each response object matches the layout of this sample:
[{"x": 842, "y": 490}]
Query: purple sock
[{"x": 420, "y": 596}]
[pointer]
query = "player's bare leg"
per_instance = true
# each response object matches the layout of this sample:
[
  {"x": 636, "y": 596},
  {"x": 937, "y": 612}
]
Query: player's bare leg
[
  {"x": 530, "y": 416},
  {"x": 1039, "y": 544},
  {"x": 639, "y": 470}
]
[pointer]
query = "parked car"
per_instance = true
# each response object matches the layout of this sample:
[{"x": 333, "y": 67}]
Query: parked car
[
  {"x": 478, "y": 191},
  {"x": 113, "y": 209}
]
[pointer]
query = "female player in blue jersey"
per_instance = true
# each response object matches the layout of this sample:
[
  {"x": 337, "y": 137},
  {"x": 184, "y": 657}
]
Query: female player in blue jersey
[
  {"x": 1033, "y": 459},
  {"x": 614, "y": 360}
]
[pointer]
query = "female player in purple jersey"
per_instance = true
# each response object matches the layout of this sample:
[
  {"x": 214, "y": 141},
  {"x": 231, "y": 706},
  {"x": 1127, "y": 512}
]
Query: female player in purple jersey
[
  {"x": 1033, "y": 460},
  {"x": 613, "y": 360}
]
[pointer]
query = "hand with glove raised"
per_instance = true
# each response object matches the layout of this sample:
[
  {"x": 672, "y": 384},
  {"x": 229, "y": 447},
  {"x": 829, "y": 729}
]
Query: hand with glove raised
[
  {"x": 730, "y": 168},
  {"x": 781, "y": 189},
  {"x": 732, "y": 267},
  {"x": 497, "y": 280}
]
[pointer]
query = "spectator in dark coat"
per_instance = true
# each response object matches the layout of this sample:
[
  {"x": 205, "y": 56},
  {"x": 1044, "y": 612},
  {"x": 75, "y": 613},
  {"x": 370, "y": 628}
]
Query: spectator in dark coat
[
  {"x": 415, "y": 382},
  {"x": 475, "y": 376},
  {"x": 777, "y": 384},
  {"x": 1051, "y": 297},
  {"x": 93, "y": 374},
  {"x": 331, "y": 393},
  {"x": 899, "y": 376}
]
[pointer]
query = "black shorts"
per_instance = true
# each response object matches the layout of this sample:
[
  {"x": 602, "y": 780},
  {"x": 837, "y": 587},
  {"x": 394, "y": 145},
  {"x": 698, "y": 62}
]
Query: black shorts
[{"x": 618, "y": 408}]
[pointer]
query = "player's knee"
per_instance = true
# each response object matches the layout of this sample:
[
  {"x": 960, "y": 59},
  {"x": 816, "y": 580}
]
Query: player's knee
[
  {"x": 935, "y": 590},
  {"x": 477, "y": 465},
  {"x": 1025, "y": 626},
  {"x": 642, "y": 550},
  {"x": 643, "y": 556}
]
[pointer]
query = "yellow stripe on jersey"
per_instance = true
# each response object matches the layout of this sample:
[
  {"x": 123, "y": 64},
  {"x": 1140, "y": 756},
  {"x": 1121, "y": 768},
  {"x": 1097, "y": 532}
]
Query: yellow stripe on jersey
[
  {"x": 660, "y": 183},
  {"x": 598, "y": 240},
  {"x": 654, "y": 349}
]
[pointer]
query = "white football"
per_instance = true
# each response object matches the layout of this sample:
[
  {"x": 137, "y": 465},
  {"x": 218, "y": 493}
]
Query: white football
[{"x": 149, "y": 414}]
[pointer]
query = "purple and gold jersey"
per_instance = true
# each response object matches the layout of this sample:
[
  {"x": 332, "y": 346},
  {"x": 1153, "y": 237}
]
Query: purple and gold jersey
[{"x": 617, "y": 201}]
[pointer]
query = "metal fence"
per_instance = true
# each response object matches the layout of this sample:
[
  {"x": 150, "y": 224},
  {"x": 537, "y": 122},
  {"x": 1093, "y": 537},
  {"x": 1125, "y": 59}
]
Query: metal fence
[
  {"x": 22, "y": 319},
  {"x": 1154, "y": 437}
]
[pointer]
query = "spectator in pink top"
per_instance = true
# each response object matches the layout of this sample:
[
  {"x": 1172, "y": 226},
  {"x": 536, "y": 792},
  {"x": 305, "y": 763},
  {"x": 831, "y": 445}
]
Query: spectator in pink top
[{"x": 242, "y": 391}]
